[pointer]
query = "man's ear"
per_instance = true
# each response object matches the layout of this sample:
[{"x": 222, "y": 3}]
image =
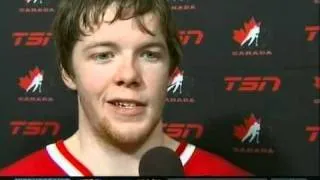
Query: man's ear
[{"x": 68, "y": 81}]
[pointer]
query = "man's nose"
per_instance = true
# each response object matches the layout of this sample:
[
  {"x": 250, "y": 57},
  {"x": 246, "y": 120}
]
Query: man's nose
[{"x": 128, "y": 74}]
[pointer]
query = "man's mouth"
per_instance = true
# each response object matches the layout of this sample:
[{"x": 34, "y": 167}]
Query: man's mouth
[
  {"x": 127, "y": 107},
  {"x": 123, "y": 103}
]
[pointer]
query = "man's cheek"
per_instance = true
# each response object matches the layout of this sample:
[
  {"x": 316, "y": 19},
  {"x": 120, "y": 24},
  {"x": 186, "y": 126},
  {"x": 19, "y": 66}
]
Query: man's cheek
[
  {"x": 92, "y": 84},
  {"x": 94, "y": 77},
  {"x": 159, "y": 78}
]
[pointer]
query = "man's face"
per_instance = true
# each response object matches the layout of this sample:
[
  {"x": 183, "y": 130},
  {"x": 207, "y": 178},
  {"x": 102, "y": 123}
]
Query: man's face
[{"x": 121, "y": 76}]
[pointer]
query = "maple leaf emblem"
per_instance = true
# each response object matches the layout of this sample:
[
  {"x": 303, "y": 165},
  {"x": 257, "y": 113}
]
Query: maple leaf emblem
[
  {"x": 32, "y": 80},
  {"x": 241, "y": 131},
  {"x": 249, "y": 33}
]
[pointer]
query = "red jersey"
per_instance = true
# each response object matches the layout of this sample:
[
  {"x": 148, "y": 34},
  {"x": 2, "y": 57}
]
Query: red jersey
[{"x": 56, "y": 160}]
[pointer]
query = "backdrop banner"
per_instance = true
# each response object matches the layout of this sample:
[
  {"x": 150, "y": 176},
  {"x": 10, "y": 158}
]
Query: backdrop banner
[{"x": 247, "y": 65}]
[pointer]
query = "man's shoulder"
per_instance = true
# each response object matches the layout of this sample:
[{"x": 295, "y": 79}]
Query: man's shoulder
[
  {"x": 203, "y": 162},
  {"x": 37, "y": 163}
]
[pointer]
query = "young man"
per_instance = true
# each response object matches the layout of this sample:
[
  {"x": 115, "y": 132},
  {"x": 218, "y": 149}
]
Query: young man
[{"x": 118, "y": 56}]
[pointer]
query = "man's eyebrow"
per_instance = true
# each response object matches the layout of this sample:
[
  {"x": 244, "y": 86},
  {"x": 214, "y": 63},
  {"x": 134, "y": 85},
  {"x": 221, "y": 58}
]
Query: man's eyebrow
[
  {"x": 151, "y": 44},
  {"x": 113, "y": 45},
  {"x": 101, "y": 44}
]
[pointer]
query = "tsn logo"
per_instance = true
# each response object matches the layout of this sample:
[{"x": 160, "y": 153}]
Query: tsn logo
[
  {"x": 252, "y": 83},
  {"x": 312, "y": 32},
  {"x": 191, "y": 36},
  {"x": 314, "y": 133},
  {"x": 35, "y": 128},
  {"x": 34, "y": 39},
  {"x": 183, "y": 130}
]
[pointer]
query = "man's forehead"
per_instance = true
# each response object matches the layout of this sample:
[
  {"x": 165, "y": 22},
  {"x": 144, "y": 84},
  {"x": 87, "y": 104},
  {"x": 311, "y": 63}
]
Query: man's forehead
[
  {"x": 127, "y": 30},
  {"x": 113, "y": 8},
  {"x": 150, "y": 20}
]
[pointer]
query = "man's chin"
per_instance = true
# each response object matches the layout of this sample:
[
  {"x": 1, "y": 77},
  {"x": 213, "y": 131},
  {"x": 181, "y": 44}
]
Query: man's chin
[
  {"x": 127, "y": 140},
  {"x": 127, "y": 136}
]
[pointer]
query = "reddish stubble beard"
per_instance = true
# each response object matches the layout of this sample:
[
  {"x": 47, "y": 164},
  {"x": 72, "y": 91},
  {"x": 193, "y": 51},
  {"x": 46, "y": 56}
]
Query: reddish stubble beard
[{"x": 128, "y": 141}]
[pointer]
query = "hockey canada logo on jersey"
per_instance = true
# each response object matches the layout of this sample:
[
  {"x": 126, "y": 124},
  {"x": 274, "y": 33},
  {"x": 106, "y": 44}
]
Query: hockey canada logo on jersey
[
  {"x": 177, "y": 90},
  {"x": 31, "y": 83},
  {"x": 248, "y": 38},
  {"x": 249, "y": 135}
]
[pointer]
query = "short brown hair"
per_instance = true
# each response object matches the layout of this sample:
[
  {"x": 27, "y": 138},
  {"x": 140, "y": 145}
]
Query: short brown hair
[{"x": 71, "y": 14}]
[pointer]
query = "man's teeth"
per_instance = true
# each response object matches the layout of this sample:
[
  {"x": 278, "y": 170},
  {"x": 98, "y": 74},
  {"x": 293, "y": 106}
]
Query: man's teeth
[{"x": 126, "y": 105}]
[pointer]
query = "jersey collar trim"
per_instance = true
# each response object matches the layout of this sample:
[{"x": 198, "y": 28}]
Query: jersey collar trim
[{"x": 73, "y": 167}]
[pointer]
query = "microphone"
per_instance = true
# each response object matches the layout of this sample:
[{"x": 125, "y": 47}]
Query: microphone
[{"x": 160, "y": 161}]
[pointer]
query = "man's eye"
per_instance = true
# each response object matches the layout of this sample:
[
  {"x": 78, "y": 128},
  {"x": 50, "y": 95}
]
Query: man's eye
[
  {"x": 151, "y": 56},
  {"x": 103, "y": 57}
]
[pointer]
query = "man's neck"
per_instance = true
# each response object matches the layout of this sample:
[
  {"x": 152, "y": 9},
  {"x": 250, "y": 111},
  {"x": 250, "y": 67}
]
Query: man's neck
[{"x": 103, "y": 159}]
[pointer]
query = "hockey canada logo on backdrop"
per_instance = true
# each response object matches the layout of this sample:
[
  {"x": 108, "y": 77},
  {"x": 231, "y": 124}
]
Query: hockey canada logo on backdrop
[
  {"x": 31, "y": 83},
  {"x": 177, "y": 87},
  {"x": 249, "y": 35},
  {"x": 182, "y": 5},
  {"x": 249, "y": 134},
  {"x": 34, "y": 1},
  {"x": 248, "y": 38},
  {"x": 36, "y": 6},
  {"x": 176, "y": 83},
  {"x": 314, "y": 133},
  {"x": 249, "y": 131}
]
